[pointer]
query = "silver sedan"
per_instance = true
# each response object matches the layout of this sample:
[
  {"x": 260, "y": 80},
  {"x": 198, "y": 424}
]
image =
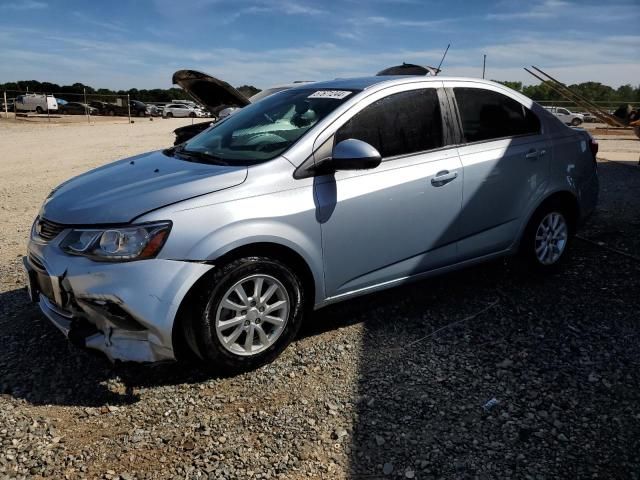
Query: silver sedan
[{"x": 320, "y": 193}]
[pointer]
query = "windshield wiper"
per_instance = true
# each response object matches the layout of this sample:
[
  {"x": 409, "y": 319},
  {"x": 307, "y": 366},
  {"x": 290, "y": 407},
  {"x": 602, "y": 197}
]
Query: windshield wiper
[{"x": 206, "y": 156}]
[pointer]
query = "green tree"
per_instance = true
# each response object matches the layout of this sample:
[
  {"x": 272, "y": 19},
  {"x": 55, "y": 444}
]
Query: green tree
[{"x": 517, "y": 86}]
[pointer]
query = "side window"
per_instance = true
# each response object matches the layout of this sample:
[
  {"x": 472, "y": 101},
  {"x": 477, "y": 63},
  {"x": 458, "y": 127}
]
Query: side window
[
  {"x": 486, "y": 115},
  {"x": 399, "y": 124}
]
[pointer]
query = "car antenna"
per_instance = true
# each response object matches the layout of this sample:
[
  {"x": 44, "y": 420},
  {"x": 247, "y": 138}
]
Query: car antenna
[{"x": 442, "y": 60}]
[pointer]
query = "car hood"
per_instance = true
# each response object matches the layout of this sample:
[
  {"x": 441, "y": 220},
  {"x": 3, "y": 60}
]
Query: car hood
[
  {"x": 123, "y": 190},
  {"x": 209, "y": 91}
]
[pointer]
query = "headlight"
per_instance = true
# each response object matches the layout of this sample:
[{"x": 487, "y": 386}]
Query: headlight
[{"x": 117, "y": 244}]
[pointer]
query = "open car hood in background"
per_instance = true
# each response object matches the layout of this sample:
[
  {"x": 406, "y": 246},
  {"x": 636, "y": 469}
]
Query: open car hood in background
[
  {"x": 209, "y": 91},
  {"x": 409, "y": 69}
]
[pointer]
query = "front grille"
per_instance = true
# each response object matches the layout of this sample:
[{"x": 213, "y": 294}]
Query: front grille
[{"x": 48, "y": 230}]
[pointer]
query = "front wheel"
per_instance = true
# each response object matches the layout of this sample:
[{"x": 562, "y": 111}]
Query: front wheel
[
  {"x": 169, "y": 115},
  {"x": 547, "y": 237},
  {"x": 39, "y": 110},
  {"x": 247, "y": 316},
  {"x": 575, "y": 122}
]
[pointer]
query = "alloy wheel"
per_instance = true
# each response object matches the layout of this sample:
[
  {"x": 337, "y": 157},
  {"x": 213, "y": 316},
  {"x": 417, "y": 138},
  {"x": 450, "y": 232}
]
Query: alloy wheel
[
  {"x": 551, "y": 239},
  {"x": 252, "y": 315}
]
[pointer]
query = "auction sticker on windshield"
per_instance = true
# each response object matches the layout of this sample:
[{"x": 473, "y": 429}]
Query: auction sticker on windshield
[{"x": 337, "y": 94}]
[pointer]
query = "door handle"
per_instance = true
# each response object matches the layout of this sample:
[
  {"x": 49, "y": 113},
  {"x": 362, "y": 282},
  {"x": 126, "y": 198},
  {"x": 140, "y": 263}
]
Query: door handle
[
  {"x": 443, "y": 177},
  {"x": 532, "y": 154}
]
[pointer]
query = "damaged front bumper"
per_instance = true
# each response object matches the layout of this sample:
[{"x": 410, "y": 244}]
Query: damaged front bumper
[{"x": 125, "y": 310}]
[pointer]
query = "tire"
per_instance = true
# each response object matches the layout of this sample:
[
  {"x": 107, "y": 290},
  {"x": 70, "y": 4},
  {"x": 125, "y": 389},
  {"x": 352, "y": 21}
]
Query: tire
[
  {"x": 205, "y": 335},
  {"x": 169, "y": 115},
  {"x": 575, "y": 122},
  {"x": 557, "y": 241},
  {"x": 39, "y": 110},
  {"x": 141, "y": 113},
  {"x": 111, "y": 113},
  {"x": 192, "y": 115}
]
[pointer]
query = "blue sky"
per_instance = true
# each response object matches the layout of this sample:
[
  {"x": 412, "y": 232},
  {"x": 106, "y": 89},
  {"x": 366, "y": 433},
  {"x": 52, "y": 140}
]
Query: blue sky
[{"x": 140, "y": 43}]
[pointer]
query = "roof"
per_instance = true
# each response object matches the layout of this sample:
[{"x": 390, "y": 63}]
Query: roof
[{"x": 362, "y": 83}]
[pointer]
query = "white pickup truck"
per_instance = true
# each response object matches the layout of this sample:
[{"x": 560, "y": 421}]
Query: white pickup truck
[
  {"x": 36, "y": 102},
  {"x": 567, "y": 116}
]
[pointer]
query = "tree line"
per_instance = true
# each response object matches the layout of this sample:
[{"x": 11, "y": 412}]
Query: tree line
[
  {"x": 594, "y": 91},
  {"x": 71, "y": 92}
]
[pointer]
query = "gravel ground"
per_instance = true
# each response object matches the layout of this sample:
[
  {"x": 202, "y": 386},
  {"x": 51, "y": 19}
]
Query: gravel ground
[{"x": 486, "y": 373}]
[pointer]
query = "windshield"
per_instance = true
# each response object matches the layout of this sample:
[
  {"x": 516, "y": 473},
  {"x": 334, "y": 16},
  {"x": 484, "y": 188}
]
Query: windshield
[
  {"x": 264, "y": 130},
  {"x": 266, "y": 92}
]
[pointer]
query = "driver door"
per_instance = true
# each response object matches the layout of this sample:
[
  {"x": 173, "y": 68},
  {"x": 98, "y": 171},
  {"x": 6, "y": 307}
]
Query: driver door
[{"x": 394, "y": 221}]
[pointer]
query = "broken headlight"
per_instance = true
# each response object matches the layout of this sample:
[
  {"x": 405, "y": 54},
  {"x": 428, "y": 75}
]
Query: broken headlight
[{"x": 117, "y": 244}]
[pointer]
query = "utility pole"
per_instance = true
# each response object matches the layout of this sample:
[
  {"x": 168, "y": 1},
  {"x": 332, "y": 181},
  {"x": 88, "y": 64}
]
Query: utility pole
[
  {"x": 484, "y": 64},
  {"x": 86, "y": 110}
]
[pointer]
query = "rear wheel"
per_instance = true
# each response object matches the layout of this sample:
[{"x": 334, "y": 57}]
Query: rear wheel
[
  {"x": 547, "y": 237},
  {"x": 169, "y": 115},
  {"x": 247, "y": 316},
  {"x": 39, "y": 110},
  {"x": 192, "y": 115}
]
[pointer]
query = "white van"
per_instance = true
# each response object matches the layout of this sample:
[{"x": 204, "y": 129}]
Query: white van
[{"x": 36, "y": 102}]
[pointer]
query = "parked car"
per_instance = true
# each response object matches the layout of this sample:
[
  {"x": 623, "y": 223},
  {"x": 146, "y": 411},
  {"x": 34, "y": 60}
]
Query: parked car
[
  {"x": 10, "y": 106},
  {"x": 76, "y": 108},
  {"x": 567, "y": 116},
  {"x": 154, "y": 111},
  {"x": 589, "y": 118},
  {"x": 36, "y": 102},
  {"x": 178, "y": 110},
  {"x": 136, "y": 108},
  {"x": 323, "y": 192},
  {"x": 201, "y": 112}
]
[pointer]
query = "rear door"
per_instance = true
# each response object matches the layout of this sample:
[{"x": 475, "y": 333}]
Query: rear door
[
  {"x": 393, "y": 221},
  {"x": 505, "y": 156},
  {"x": 52, "y": 104}
]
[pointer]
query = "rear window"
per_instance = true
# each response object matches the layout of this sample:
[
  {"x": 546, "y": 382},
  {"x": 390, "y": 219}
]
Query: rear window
[{"x": 490, "y": 115}]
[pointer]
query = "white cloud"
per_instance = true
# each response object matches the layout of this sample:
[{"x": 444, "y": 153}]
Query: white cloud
[
  {"x": 381, "y": 21},
  {"x": 149, "y": 64},
  {"x": 25, "y": 5},
  {"x": 87, "y": 20},
  {"x": 173, "y": 9},
  {"x": 572, "y": 11}
]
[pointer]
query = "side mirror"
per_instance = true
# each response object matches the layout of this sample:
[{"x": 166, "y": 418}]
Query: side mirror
[{"x": 352, "y": 154}]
